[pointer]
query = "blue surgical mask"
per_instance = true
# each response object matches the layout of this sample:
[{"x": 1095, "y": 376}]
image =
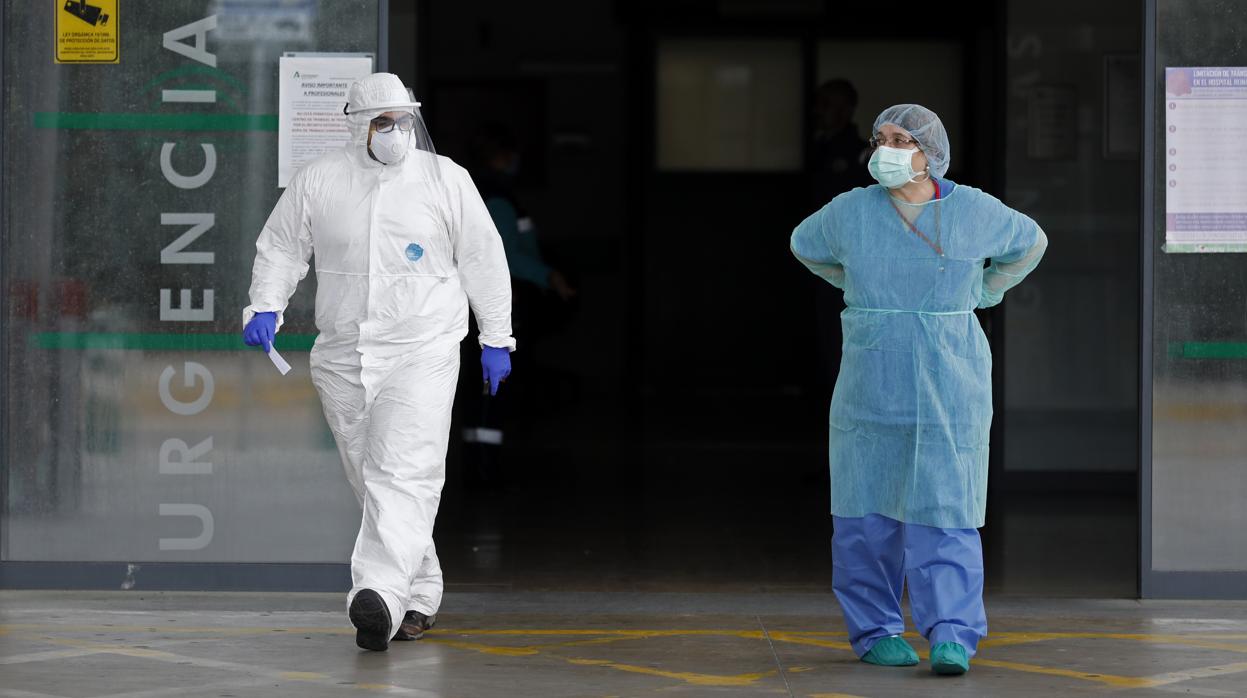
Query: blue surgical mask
[{"x": 893, "y": 167}]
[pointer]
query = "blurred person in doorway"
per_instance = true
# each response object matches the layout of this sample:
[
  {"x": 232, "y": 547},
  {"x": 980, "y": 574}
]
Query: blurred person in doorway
[{"x": 544, "y": 297}]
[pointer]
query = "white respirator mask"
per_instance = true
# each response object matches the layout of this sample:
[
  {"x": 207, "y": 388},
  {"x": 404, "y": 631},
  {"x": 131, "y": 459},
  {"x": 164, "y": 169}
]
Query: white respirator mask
[{"x": 391, "y": 147}]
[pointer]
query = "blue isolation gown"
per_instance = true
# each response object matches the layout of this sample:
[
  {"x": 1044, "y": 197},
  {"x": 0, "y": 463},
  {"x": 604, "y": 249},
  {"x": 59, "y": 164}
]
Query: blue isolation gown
[{"x": 913, "y": 404}]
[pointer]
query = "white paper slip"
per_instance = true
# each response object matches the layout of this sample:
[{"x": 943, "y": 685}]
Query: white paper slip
[{"x": 279, "y": 362}]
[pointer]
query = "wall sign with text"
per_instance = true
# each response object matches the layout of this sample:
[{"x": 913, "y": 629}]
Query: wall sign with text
[
  {"x": 87, "y": 31},
  {"x": 1205, "y": 148}
]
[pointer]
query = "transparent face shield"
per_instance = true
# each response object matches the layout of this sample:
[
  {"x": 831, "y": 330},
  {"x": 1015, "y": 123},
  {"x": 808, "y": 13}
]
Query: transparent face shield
[{"x": 395, "y": 136}]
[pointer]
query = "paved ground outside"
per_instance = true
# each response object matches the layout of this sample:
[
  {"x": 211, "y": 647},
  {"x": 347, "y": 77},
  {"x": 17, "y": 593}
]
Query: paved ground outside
[{"x": 149, "y": 644}]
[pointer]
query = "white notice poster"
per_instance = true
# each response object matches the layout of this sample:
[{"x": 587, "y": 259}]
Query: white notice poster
[
  {"x": 310, "y": 119},
  {"x": 1205, "y": 152}
]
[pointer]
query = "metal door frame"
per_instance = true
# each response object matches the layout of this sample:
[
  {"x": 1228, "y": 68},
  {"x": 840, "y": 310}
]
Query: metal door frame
[{"x": 1154, "y": 583}]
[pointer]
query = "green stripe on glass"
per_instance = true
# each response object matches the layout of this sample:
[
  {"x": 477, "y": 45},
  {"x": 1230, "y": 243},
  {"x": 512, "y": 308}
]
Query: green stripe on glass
[
  {"x": 214, "y": 73},
  {"x": 156, "y": 122},
  {"x": 163, "y": 342},
  {"x": 1208, "y": 350}
]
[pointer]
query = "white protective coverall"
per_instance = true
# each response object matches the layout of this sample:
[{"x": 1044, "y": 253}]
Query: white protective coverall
[{"x": 401, "y": 252}]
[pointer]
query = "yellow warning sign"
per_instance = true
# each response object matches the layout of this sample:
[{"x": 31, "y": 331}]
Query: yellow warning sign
[{"x": 87, "y": 31}]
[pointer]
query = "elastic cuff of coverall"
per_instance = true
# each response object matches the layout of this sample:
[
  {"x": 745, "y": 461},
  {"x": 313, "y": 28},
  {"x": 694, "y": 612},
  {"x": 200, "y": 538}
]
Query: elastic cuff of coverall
[
  {"x": 420, "y": 606},
  {"x": 251, "y": 311},
  {"x": 960, "y": 634},
  {"x": 507, "y": 343}
]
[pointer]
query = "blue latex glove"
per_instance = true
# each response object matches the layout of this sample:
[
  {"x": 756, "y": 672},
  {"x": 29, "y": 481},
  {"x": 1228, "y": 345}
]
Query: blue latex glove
[
  {"x": 259, "y": 332},
  {"x": 496, "y": 366}
]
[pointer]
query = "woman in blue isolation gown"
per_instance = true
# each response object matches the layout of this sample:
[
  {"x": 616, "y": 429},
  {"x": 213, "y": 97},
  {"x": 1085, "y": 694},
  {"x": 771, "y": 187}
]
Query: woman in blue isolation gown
[{"x": 913, "y": 404}]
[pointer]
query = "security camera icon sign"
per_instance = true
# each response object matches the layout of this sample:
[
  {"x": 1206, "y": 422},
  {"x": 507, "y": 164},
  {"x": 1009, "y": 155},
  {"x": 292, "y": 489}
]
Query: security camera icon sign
[{"x": 88, "y": 13}]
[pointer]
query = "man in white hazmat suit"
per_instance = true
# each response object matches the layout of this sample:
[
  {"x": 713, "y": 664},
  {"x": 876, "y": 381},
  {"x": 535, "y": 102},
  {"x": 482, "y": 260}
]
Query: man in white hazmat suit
[{"x": 403, "y": 246}]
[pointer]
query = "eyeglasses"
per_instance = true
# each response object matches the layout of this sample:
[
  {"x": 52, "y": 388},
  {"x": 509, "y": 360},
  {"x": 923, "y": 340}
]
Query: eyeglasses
[
  {"x": 385, "y": 124},
  {"x": 896, "y": 141}
]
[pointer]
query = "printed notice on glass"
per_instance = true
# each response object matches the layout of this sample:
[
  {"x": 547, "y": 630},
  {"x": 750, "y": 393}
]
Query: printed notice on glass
[
  {"x": 310, "y": 119},
  {"x": 87, "y": 31},
  {"x": 1205, "y": 151}
]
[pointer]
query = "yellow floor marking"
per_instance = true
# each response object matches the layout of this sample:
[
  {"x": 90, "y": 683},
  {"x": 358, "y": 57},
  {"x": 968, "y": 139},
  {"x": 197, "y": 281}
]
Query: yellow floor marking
[
  {"x": 106, "y": 648},
  {"x": 797, "y": 639},
  {"x": 1107, "y": 679},
  {"x": 498, "y": 650},
  {"x": 608, "y": 632},
  {"x": 612, "y": 636},
  {"x": 833, "y": 695},
  {"x": 591, "y": 643},
  {"x": 308, "y": 676},
  {"x": 1211, "y": 642},
  {"x": 997, "y": 641},
  {"x": 171, "y": 630},
  {"x": 1202, "y": 673},
  {"x": 688, "y": 677}
]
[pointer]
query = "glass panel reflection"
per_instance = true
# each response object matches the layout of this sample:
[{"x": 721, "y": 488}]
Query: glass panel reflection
[{"x": 139, "y": 426}]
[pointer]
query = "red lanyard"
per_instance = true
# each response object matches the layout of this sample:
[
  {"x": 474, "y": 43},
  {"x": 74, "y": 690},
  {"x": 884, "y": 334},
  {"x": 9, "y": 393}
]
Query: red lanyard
[{"x": 933, "y": 245}]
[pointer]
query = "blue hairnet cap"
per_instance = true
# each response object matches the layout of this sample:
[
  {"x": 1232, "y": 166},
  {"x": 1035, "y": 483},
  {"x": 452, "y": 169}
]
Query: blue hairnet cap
[{"x": 923, "y": 126}]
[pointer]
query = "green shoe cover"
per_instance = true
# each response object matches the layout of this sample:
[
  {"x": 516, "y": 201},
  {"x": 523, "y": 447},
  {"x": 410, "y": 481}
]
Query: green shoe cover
[
  {"x": 949, "y": 659},
  {"x": 891, "y": 651}
]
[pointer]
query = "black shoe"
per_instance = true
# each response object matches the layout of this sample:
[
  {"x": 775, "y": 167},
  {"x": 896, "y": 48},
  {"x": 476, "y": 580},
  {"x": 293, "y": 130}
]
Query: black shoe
[
  {"x": 414, "y": 625},
  {"x": 371, "y": 619}
]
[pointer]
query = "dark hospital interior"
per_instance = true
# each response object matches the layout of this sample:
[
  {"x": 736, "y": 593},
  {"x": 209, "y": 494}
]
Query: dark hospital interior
[{"x": 675, "y": 410}]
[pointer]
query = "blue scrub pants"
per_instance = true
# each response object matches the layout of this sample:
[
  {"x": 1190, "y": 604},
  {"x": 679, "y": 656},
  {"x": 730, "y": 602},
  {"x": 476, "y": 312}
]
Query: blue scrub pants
[{"x": 874, "y": 556}]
